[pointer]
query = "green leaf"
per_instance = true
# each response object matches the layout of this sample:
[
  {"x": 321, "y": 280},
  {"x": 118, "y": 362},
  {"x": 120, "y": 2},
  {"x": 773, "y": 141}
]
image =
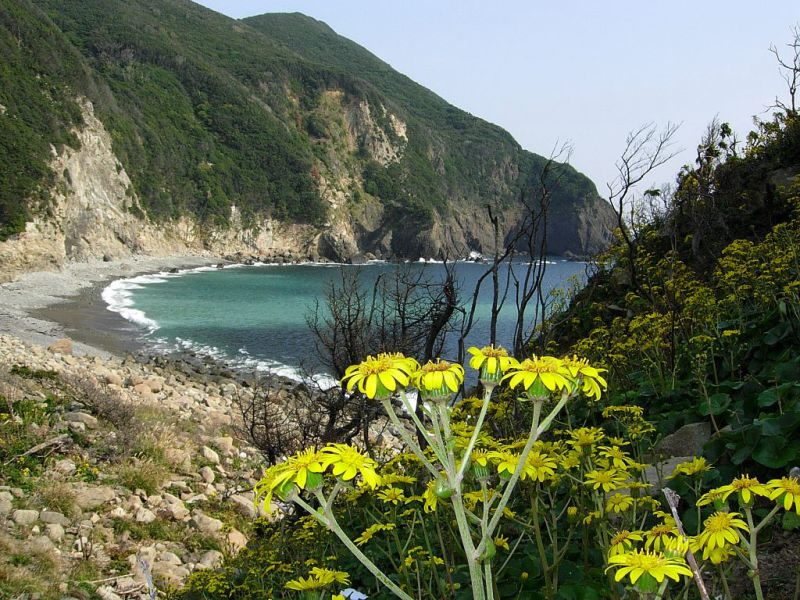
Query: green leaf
[
  {"x": 769, "y": 397},
  {"x": 775, "y": 452},
  {"x": 791, "y": 521},
  {"x": 777, "y": 333},
  {"x": 715, "y": 405}
]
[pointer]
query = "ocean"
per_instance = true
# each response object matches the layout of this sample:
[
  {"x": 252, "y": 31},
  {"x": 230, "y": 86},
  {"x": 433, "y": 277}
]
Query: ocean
[{"x": 255, "y": 317}]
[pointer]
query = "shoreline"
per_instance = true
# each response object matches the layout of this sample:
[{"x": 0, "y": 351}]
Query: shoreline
[{"x": 44, "y": 306}]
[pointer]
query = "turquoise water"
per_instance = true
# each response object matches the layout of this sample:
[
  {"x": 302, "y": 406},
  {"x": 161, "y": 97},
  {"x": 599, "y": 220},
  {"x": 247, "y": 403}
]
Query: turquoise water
[{"x": 256, "y": 316}]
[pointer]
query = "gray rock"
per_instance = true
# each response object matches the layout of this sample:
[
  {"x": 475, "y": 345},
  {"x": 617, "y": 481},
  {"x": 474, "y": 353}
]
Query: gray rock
[
  {"x": 206, "y": 524},
  {"x": 170, "y": 557},
  {"x": 244, "y": 506},
  {"x": 145, "y": 515},
  {"x": 48, "y": 516},
  {"x": 5, "y": 506},
  {"x": 106, "y": 592},
  {"x": 25, "y": 517},
  {"x": 65, "y": 467},
  {"x": 210, "y": 560},
  {"x": 169, "y": 575},
  {"x": 686, "y": 441},
  {"x": 92, "y": 497},
  {"x": 225, "y": 445},
  {"x": 236, "y": 540},
  {"x": 55, "y": 532},
  {"x": 63, "y": 346},
  {"x": 210, "y": 455},
  {"x": 81, "y": 417},
  {"x": 207, "y": 473}
]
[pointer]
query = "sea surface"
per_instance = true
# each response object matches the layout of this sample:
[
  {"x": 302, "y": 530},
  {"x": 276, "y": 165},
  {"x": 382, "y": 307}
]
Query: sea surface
[{"x": 255, "y": 317}]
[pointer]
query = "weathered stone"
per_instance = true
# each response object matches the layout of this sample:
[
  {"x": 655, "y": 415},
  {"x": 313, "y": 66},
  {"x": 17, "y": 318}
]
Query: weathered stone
[
  {"x": 244, "y": 506},
  {"x": 170, "y": 557},
  {"x": 92, "y": 497},
  {"x": 145, "y": 515},
  {"x": 237, "y": 540},
  {"x": 207, "y": 473},
  {"x": 686, "y": 441},
  {"x": 55, "y": 532},
  {"x": 5, "y": 506},
  {"x": 206, "y": 524},
  {"x": 81, "y": 417},
  {"x": 106, "y": 592},
  {"x": 48, "y": 516},
  {"x": 210, "y": 560},
  {"x": 169, "y": 575},
  {"x": 62, "y": 346},
  {"x": 143, "y": 390},
  {"x": 225, "y": 445},
  {"x": 25, "y": 517},
  {"x": 210, "y": 455},
  {"x": 65, "y": 467}
]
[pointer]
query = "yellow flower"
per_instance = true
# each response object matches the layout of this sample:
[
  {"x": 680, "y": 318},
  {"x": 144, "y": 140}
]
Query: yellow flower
[
  {"x": 506, "y": 462},
  {"x": 539, "y": 376},
  {"x": 711, "y": 497},
  {"x": 648, "y": 565},
  {"x": 370, "y": 531},
  {"x": 659, "y": 536},
  {"x": 585, "y": 436},
  {"x": 393, "y": 495},
  {"x": 746, "y": 486},
  {"x": 719, "y": 530},
  {"x": 618, "y": 503},
  {"x": 378, "y": 377},
  {"x": 318, "y": 578},
  {"x": 348, "y": 461},
  {"x": 693, "y": 467},
  {"x": 617, "y": 457},
  {"x": 490, "y": 361},
  {"x": 501, "y": 541},
  {"x": 430, "y": 497},
  {"x": 438, "y": 379},
  {"x": 592, "y": 383},
  {"x": 539, "y": 467},
  {"x": 607, "y": 480},
  {"x": 610, "y": 411},
  {"x": 623, "y": 542},
  {"x": 786, "y": 491}
]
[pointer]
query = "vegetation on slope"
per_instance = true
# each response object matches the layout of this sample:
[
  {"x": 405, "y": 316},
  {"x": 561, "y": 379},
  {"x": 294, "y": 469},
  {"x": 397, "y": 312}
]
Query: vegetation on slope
[{"x": 206, "y": 112}]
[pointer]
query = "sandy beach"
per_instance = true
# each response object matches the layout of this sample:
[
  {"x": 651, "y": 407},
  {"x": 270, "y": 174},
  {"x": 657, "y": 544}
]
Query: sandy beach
[{"x": 44, "y": 306}]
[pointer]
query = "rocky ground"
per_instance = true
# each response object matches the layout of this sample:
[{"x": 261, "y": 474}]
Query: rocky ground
[{"x": 114, "y": 471}]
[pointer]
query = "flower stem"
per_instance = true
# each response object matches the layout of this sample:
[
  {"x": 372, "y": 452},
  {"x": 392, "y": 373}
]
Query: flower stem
[
  {"x": 478, "y": 425},
  {"x": 752, "y": 547},
  {"x": 406, "y": 437},
  {"x": 329, "y": 520}
]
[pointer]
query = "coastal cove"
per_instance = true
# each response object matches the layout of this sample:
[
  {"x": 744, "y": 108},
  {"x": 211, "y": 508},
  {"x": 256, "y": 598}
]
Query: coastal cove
[{"x": 254, "y": 318}]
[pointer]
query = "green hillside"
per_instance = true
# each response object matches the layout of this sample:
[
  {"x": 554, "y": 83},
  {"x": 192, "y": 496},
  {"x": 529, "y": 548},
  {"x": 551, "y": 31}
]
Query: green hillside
[{"x": 207, "y": 112}]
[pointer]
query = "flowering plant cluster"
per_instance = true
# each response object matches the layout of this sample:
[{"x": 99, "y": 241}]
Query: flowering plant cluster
[{"x": 453, "y": 455}]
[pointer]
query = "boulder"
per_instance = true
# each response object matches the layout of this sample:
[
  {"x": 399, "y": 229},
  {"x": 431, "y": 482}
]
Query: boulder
[
  {"x": 206, "y": 524},
  {"x": 236, "y": 540},
  {"x": 65, "y": 467},
  {"x": 210, "y": 560},
  {"x": 92, "y": 497},
  {"x": 244, "y": 506},
  {"x": 5, "y": 505},
  {"x": 25, "y": 517},
  {"x": 62, "y": 346},
  {"x": 145, "y": 515},
  {"x": 210, "y": 455},
  {"x": 55, "y": 532},
  {"x": 81, "y": 417},
  {"x": 225, "y": 445},
  {"x": 49, "y": 516},
  {"x": 168, "y": 575},
  {"x": 207, "y": 473},
  {"x": 686, "y": 441}
]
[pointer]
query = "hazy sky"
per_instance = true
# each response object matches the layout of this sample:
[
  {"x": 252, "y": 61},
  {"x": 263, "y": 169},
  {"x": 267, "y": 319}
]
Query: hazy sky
[{"x": 583, "y": 71}]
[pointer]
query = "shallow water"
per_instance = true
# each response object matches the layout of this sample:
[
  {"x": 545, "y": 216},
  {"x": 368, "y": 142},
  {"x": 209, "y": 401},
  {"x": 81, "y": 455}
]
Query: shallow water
[{"x": 255, "y": 316}]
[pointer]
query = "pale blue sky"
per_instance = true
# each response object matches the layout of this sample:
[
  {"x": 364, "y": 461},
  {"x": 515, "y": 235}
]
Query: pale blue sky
[{"x": 585, "y": 71}]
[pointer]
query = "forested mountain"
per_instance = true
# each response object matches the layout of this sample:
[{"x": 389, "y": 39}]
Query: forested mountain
[{"x": 273, "y": 119}]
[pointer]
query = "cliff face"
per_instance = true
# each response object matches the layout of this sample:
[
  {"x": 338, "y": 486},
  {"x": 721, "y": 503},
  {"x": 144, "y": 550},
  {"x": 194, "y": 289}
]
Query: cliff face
[{"x": 160, "y": 127}]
